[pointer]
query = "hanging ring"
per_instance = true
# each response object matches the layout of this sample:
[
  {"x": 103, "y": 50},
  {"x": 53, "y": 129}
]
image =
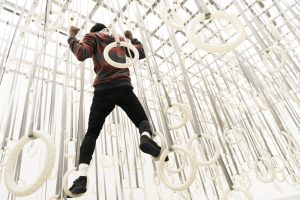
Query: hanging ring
[
  {"x": 162, "y": 174},
  {"x": 216, "y": 48},
  {"x": 177, "y": 170},
  {"x": 283, "y": 57},
  {"x": 278, "y": 163},
  {"x": 11, "y": 185},
  {"x": 288, "y": 139},
  {"x": 65, "y": 184},
  {"x": 171, "y": 18},
  {"x": 186, "y": 113},
  {"x": 238, "y": 135},
  {"x": 114, "y": 129},
  {"x": 270, "y": 169},
  {"x": 280, "y": 176},
  {"x": 212, "y": 171},
  {"x": 121, "y": 65},
  {"x": 52, "y": 26},
  {"x": 216, "y": 147},
  {"x": 242, "y": 181}
]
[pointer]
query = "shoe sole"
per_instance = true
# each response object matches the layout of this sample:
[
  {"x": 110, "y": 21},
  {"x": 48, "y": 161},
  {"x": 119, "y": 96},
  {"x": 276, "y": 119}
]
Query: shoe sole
[
  {"x": 78, "y": 190},
  {"x": 150, "y": 149}
]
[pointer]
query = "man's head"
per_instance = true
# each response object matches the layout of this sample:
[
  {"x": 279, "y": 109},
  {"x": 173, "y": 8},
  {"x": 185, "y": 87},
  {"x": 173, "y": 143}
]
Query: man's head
[{"x": 97, "y": 27}]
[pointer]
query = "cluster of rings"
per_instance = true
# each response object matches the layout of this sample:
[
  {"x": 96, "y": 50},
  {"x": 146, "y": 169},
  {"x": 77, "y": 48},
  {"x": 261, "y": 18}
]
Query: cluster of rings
[
  {"x": 51, "y": 25},
  {"x": 186, "y": 115}
]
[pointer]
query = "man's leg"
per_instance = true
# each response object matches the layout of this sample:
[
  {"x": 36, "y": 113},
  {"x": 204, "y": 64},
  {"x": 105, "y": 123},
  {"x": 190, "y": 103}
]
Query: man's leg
[
  {"x": 135, "y": 111},
  {"x": 100, "y": 109}
]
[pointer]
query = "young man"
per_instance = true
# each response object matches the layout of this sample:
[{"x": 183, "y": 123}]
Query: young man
[{"x": 112, "y": 87}]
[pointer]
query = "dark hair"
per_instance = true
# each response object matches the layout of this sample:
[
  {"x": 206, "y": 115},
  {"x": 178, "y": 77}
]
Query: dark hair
[{"x": 97, "y": 27}]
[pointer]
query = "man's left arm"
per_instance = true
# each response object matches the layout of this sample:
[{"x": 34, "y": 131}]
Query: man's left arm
[{"x": 138, "y": 45}]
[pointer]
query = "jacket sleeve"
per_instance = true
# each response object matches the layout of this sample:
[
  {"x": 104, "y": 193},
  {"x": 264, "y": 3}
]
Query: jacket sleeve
[
  {"x": 83, "y": 49},
  {"x": 138, "y": 45}
]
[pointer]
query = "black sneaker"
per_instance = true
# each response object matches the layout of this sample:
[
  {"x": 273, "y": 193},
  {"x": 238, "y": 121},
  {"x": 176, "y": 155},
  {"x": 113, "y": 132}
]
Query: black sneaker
[
  {"x": 147, "y": 145},
  {"x": 79, "y": 186}
]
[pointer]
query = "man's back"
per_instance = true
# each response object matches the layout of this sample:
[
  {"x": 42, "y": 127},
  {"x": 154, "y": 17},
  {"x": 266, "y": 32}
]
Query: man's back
[{"x": 93, "y": 45}]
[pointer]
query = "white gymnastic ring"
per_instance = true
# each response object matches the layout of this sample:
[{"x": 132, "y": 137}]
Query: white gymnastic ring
[
  {"x": 215, "y": 143},
  {"x": 191, "y": 176},
  {"x": 185, "y": 112},
  {"x": 238, "y": 130},
  {"x": 121, "y": 65},
  {"x": 283, "y": 58},
  {"x": 247, "y": 194},
  {"x": 246, "y": 166},
  {"x": 175, "y": 21},
  {"x": 11, "y": 185},
  {"x": 132, "y": 192},
  {"x": 282, "y": 167},
  {"x": 219, "y": 48},
  {"x": 242, "y": 181},
  {"x": 270, "y": 169},
  {"x": 65, "y": 184},
  {"x": 184, "y": 194},
  {"x": 162, "y": 144},
  {"x": 58, "y": 23},
  {"x": 215, "y": 170},
  {"x": 263, "y": 154},
  {"x": 292, "y": 183},
  {"x": 116, "y": 132},
  {"x": 177, "y": 170},
  {"x": 288, "y": 139}
]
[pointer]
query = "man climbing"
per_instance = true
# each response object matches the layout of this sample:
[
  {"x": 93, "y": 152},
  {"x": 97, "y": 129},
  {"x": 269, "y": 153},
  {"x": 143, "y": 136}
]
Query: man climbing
[{"x": 112, "y": 87}]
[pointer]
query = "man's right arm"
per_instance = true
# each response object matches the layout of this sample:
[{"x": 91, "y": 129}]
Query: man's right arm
[{"x": 84, "y": 49}]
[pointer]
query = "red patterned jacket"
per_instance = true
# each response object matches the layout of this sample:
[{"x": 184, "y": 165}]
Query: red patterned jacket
[{"x": 93, "y": 45}]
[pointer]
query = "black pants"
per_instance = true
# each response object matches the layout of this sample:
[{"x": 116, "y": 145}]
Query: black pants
[{"x": 104, "y": 102}]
